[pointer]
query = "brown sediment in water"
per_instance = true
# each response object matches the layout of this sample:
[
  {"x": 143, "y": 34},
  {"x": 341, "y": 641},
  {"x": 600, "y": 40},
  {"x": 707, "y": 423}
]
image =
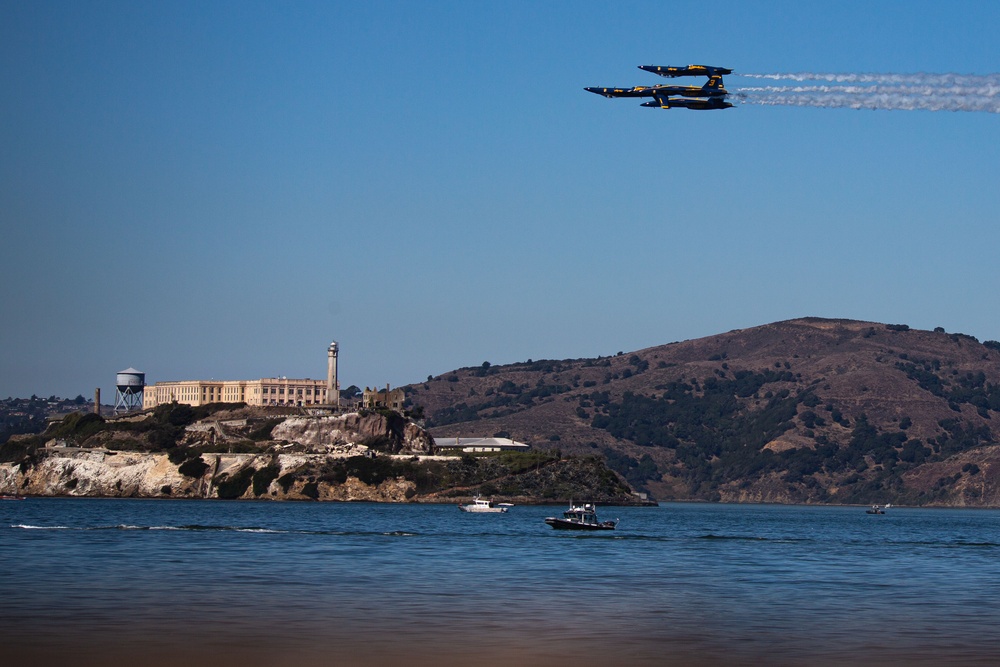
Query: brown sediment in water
[{"x": 452, "y": 646}]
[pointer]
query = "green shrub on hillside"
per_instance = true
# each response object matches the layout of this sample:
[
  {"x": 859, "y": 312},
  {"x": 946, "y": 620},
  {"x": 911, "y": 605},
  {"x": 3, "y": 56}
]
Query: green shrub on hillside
[
  {"x": 233, "y": 486},
  {"x": 712, "y": 433},
  {"x": 24, "y": 450},
  {"x": 77, "y": 426},
  {"x": 195, "y": 467},
  {"x": 286, "y": 480},
  {"x": 263, "y": 432},
  {"x": 262, "y": 478}
]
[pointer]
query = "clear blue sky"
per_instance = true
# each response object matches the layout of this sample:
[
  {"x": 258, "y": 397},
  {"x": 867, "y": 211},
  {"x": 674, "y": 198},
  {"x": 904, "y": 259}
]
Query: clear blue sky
[{"x": 219, "y": 189}]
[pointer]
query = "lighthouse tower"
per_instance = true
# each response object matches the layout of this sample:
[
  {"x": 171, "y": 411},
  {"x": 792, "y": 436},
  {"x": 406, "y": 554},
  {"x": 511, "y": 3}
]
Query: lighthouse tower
[{"x": 332, "y": 386}]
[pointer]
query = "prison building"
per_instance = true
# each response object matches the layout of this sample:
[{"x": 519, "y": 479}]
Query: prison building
[{"x": 266, "y": 391}]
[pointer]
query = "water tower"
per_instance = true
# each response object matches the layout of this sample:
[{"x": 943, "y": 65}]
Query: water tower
[{"x": 129, "y": 385}]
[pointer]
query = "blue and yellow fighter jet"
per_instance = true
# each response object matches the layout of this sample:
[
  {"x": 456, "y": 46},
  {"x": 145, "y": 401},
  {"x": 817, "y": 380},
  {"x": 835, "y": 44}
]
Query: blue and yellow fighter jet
[
  {"x": 680, "y": 103},
  {"x": 690, "y": 70},
  {"x": 714, "y": 88},
  {"x": 712, "y": 95}
]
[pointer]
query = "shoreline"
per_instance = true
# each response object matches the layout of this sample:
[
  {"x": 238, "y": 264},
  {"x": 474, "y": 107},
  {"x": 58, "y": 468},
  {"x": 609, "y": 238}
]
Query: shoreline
[{"x": 523, "y": 503}]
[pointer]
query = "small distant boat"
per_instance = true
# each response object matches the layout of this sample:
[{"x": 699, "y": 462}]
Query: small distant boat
[
  {"x": 6, "y": 497},
  {"x": 480, "y": 505},
  {"x": 877, "y": 509},
  {"x": 580, "y": 517}
]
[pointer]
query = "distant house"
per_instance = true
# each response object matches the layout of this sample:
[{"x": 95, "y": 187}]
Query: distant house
[
  {"x": 373, "y": 398},
  {"x": 479, "y": 445}
]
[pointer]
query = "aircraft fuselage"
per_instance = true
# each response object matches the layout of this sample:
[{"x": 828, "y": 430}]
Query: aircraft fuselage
[
  {"x": 690, "y": 70},
  {"x": 681, "y": 103},
  {"x": 653, "y": 91}
]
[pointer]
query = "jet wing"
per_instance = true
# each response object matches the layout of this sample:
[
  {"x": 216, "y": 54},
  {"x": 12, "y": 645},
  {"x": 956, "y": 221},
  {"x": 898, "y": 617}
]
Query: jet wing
[{"x": 690, "y": 70}]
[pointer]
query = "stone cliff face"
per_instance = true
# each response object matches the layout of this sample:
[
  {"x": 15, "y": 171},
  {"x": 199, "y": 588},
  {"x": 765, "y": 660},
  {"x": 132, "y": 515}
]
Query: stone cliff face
[
  {"x": 89, "y": 473},
  {"x": 371, "y": 457},
  {"x": 275, "y": 476},
  {"x": 98, "y": 468},
  {"x": 354, "y": 428},
  {"x": 137, "y": 475}
]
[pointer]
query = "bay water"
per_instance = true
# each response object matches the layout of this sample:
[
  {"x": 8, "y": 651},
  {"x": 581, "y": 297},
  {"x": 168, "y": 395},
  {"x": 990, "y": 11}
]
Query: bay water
[{"x": 113, "y": 581}]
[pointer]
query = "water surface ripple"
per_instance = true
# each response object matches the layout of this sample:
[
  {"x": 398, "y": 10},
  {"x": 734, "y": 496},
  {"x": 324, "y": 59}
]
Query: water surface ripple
[{"x": 259, "y": 583}]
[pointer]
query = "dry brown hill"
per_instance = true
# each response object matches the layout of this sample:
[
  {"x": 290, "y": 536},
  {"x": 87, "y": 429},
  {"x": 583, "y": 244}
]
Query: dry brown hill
[{"x": 807, "y": 410}]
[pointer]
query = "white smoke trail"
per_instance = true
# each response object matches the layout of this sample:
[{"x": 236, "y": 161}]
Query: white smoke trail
[
  {"x": 906, "y": 79},
  {"x": 990, "y": 91},
  {"x": 929, "y": 92},
  {"x": 874, "y": 101}
]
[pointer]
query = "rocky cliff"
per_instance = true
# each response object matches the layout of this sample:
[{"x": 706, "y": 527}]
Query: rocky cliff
[
  {"x": 368, "y": 457},
  {"x": 313, "y": 477},
  {"x": 109, "y": 474},
  {"x": 401, "y": 436}
]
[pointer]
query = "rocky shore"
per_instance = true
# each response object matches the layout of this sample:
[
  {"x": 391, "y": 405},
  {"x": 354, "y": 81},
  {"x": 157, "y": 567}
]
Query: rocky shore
[
  {"x": 241, "y": 454},
  {"x": 110, "y": 474}
]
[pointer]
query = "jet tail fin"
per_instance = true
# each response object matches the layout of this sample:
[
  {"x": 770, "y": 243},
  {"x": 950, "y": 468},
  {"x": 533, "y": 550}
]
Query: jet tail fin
[
  {"x": 714, "y": 85},
  {"x": 660, "y": 101}
]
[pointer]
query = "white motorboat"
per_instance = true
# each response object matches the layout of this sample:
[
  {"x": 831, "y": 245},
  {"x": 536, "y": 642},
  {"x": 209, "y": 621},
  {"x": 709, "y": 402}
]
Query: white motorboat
[{"x": 480, "y": 505}]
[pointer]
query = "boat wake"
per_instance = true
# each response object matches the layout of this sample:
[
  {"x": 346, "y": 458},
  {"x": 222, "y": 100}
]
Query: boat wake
[{"x": 218, "y": 529}]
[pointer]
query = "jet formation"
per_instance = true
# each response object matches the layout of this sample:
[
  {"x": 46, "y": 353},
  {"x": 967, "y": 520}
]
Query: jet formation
[{"x": 712, "y": 95}]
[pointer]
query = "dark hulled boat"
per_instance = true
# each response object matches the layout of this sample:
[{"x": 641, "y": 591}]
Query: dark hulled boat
[{"x": 580, "y": 517}]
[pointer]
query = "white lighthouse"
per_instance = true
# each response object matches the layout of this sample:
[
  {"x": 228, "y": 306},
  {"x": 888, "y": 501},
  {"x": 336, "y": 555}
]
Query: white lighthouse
[{"x": 332, "y": 386}]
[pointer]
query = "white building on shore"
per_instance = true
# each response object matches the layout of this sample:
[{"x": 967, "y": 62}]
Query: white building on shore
[
  {"x": 480, "y": 445},
  {"x": 266, "y": 391}
]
